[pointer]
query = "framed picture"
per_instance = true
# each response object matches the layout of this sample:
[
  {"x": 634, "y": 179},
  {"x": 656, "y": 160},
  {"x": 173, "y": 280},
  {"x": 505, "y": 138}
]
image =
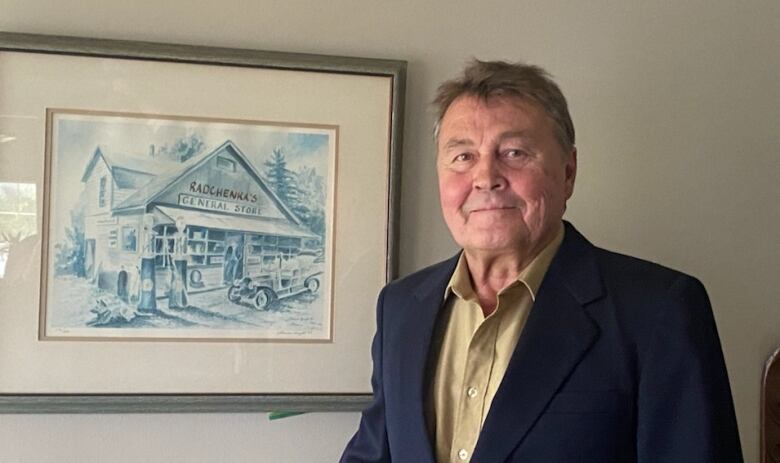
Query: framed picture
[
  {"x": 178, "y": 242},
  {"x": 191, "y": 228}
]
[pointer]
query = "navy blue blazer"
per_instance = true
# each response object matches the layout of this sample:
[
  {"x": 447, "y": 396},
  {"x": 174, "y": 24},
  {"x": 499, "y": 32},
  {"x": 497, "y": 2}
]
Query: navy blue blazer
[{"x": 619, "y": 361}]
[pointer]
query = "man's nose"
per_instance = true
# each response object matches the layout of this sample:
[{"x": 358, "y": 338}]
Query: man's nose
[{"x": 488, "y": 175}]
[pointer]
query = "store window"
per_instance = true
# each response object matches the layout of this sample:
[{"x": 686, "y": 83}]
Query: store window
[
  {"x": 129, "y": 239},
  {"x": 164, "y": 244},
  {"x": 102, "y": 192},
  {"x": 228, "y": 165},
  {"x": 205, "y": 246}
]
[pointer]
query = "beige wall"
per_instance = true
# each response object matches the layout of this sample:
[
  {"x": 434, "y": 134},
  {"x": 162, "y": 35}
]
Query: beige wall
[{"x": 677, "y": 108}]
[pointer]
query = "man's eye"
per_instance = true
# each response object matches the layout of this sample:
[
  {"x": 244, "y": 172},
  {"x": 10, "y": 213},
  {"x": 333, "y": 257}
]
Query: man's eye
[
  {"x": 463, "y": 157},
  {"x": 514, "y": 154}
]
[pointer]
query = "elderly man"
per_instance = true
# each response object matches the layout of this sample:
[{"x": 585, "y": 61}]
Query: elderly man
[{"x": 532, "y": 345}]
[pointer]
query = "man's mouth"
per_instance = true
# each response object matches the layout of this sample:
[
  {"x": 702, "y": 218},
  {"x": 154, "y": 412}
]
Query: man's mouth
[
  {"x": 491, "y": 203},
  {"x": 491, "y": 208}
]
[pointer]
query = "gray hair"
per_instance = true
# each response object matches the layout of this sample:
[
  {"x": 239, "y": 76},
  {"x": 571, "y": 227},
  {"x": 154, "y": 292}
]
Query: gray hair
[{"x": 484, "y": 79}]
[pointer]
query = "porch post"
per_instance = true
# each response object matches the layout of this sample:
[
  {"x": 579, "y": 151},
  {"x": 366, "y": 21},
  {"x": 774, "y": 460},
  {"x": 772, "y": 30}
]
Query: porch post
[{"x": 177, "y": 297}]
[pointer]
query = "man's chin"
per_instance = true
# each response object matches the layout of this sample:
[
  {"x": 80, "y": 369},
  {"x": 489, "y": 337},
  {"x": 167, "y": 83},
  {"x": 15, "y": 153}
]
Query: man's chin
[{"x": 493, "y": 243}]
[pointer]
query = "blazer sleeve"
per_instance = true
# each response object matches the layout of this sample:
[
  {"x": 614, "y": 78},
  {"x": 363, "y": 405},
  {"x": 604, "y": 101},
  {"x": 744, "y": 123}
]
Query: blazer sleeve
[
  {"x": 369, "y": 444},
  {"x": 685, "y": 411}
]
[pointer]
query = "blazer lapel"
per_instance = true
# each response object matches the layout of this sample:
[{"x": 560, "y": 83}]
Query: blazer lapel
[
  {"x": 417, "y": 327},
  {"x": 556, "y": 336}
]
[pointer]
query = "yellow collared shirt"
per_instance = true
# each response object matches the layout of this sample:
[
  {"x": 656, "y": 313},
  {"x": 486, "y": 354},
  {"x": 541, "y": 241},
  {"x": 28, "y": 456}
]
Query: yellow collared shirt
[{"x": 474, "y": 353}]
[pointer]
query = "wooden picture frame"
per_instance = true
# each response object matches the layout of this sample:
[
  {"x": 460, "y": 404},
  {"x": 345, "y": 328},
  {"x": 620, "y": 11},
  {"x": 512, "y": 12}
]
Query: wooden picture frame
[{"x": 214, "y": 222}]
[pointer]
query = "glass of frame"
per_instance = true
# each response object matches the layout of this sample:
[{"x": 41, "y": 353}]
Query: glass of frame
[{"x": 191, "y": 228}]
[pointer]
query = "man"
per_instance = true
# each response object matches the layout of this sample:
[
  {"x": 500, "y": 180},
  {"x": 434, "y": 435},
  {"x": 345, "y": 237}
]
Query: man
[{"x": 532, "y": 345}]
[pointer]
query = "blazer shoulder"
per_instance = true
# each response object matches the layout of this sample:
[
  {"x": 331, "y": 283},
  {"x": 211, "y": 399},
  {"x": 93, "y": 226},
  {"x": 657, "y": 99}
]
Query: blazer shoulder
[
  {"x": 653, "y": 305},
  {"x": 591, "y": 272},
  {"x": 623, "y": 271}
]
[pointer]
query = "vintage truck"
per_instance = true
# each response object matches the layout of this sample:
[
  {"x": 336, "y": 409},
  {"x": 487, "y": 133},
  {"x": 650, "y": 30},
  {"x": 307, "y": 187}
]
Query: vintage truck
[{"x": 287, "y": 278}]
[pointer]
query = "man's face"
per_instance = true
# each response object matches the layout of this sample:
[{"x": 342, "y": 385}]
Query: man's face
[{"x": 503, "y": 177}]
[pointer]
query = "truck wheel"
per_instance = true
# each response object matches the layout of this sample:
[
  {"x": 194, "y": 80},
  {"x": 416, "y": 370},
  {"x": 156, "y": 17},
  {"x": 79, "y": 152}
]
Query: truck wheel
[
  {"x": 263, "y": 299},
  {"x": 234, "y": 294},
  {"x": 313, "y": 285}
]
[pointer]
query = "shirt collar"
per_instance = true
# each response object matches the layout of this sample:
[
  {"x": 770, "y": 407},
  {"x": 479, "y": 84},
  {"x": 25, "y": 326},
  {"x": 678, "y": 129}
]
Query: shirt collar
[{"x": 531, "y": 276}]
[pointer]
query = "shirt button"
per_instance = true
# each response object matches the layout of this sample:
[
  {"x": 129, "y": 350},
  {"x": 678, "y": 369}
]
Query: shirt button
[
  {"x": 463, "y": 454},
  {"x": 472, "y": 392}
]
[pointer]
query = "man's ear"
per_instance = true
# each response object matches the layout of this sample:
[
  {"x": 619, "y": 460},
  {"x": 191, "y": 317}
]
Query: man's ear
[{"x": 570, "y": 172}]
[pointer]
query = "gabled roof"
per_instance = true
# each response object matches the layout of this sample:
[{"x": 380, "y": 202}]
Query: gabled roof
[
  {"x": 130, "y": 179},
  {"x": 128, "y": 171},
  {"x": 160, "y": 184}
]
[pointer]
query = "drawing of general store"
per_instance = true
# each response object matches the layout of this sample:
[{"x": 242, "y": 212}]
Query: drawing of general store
[{"x": 157, "y": 230}]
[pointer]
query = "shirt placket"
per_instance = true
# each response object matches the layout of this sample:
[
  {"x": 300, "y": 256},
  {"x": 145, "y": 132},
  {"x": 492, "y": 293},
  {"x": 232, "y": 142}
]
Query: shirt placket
[{"x": 476, "y": 377}]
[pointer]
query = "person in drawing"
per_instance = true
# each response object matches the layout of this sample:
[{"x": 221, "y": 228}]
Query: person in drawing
[
  {"x": 229, "y": 271},
  {"x": 532, "y": 345}
]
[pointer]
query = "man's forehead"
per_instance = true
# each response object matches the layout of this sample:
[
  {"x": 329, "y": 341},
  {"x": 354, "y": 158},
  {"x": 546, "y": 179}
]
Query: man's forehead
[
  {"x": 469, "y": 110},
  {"x": 519, "y": 117}
]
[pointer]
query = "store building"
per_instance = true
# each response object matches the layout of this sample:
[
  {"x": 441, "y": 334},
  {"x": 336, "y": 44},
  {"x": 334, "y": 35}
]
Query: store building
[{"x": 215, "y": 209}]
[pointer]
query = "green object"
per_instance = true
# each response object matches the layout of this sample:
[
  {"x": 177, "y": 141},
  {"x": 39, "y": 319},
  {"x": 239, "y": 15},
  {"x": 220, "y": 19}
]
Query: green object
[{"x": 279, "y": 415}]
